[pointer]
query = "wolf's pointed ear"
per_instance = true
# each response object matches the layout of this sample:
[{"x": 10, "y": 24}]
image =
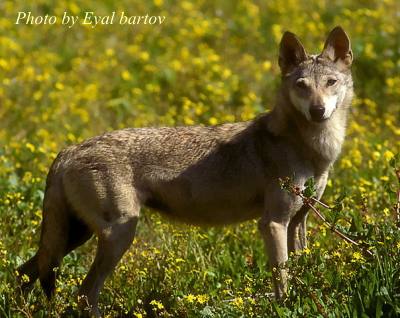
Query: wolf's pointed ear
[
  {"x": 337, "y": 47},
  {"x": 291, "y": 52}
]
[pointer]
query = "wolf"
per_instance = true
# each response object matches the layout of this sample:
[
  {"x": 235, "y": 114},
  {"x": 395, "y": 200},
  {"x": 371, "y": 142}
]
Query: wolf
[{"x": 201, "y": 175}]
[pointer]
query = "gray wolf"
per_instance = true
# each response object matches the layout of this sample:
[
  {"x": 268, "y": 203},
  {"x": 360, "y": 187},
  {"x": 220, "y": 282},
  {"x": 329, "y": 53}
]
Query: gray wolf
[{"x": 202, "y": 175}]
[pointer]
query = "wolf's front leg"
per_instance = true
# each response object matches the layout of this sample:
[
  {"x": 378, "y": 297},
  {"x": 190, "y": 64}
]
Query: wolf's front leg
[
  {"x": 297, "y": 230},
  {"x": 274, "y": 234}
]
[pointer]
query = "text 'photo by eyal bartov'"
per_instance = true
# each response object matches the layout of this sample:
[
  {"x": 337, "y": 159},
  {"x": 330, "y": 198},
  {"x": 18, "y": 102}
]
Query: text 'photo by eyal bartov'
[{"x": 89, "y": 19}]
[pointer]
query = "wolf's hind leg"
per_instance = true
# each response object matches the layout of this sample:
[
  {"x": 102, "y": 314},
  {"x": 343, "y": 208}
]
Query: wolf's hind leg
[
  {"x": 78, "y": 233},
  {"x": 115, "y": 226},
  {"x": 112, "y": 244},
  {"x": 31, "y": 270}
]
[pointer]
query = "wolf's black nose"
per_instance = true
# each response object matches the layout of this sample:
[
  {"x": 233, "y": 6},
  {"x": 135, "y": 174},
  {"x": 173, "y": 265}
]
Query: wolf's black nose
[{"x": 317, "y": 112}]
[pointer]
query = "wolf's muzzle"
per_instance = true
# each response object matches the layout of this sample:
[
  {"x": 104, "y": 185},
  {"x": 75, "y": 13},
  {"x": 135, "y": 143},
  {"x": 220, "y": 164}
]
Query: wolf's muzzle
[{"x": 317, "y": 113}]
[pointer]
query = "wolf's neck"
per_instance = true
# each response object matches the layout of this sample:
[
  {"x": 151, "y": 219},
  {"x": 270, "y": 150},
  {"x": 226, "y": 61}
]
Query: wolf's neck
[{"x": 327, "y": 139}]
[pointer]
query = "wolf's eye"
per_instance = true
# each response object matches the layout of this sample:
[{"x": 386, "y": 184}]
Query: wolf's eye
[
  {"x": 301, "y": 84},
  {"x": 331, "y": 82}
]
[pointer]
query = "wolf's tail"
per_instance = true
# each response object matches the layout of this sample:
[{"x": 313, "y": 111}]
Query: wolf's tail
[
  {"x": 61, "y": 232},
  {"x": 54, "y": 233},
  {"x": 54, "y": 237}
]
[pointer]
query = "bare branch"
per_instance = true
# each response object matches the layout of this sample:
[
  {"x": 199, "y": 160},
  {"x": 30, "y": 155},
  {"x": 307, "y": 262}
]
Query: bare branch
[
  {"x": 321, "y": 203},
  {"x": 310, "y": 201}
]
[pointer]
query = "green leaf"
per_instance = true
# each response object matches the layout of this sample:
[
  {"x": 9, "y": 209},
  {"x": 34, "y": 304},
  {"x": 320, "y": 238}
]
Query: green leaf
[
  {"x": 394, "y": 162},
  {"x": 310, "y": 189},
  {"x": 356, "y": 224},
  {"x": 207, "y": 312},
  {"x": 279, "y": 310}
]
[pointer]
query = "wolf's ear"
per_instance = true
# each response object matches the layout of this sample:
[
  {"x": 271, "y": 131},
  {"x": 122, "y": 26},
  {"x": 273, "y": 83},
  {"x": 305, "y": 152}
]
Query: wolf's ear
[
  {"x": 291, "y": 52},
  {"x": 337, "y": 47}
]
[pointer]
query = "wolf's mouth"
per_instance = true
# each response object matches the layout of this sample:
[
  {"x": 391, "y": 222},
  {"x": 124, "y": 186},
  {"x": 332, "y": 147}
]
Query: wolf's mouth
[{"x": 319, "y": 120}]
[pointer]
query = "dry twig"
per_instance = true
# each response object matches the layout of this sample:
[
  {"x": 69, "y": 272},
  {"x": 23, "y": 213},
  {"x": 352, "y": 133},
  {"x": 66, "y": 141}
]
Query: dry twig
[{"x": 310, "y": 202}]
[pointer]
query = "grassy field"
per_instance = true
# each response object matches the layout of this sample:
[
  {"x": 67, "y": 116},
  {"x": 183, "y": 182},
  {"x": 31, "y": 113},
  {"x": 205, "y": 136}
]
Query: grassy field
[{"x": 210, "y": 62}]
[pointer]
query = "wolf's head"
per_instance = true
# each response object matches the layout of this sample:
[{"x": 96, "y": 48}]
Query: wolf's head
[{"x": 317, "y": 85}]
